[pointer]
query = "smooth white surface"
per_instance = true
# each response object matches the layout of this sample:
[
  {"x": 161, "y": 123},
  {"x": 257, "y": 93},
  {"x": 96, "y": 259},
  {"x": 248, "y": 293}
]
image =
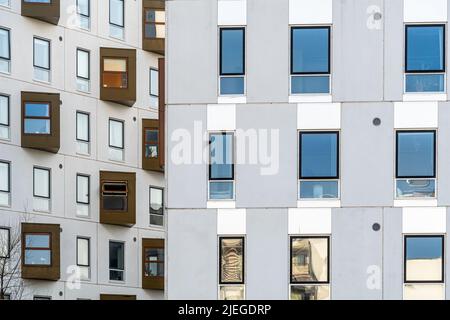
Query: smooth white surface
[
  {"x": 416, "y": 203},
  {"x": 311, "y": 116},
  {"x": 306, "y": 98},
  {"x": 425, "y": 10},
  {"x": 319, "y": 203},
  {"x": 232, "y": 12},
  {"x": 310, "y": 221},
  {"x": 424, "y": 220},
  {"x": 232, "y": 100},
  {"x": 231, "y": 221},
  {"x": 221, "y": 204},
  {"x": 425, "y": 97},
  {"x": 310, "y": 11},
  {"x": 415, "y": 115},
  {"x": 221, "y": 117}
]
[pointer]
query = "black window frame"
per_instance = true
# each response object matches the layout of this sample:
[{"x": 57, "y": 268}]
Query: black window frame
[
  {"x": 9, "y": 44},
  {"x": 123, "y": 133},
  {"x": 293, "y": 28},
  {"x": 407, "y": 26},
  {"x": 89, "y": 126},
  {"x": 8, "y": 254},
  {"x": 89, "y": 64},
  {"x": 434, "y": 154},
  {"x": 300, "y": 176},
  {"x": 109, "y": 260},
  {"x": 150, "y": 200},
  {"x": 405, "y": 237},
  {"x": 49, "y": 182},
  {"x": 89, "y": 252},
  {"x": 291, "y": 240},
  {"x": 221, "y": 73},
  {"x": 221, "y": 282},
  {"x": 123, "y": 14},
  {"x": 89, "y": 9},
  {"x": 49, "y": 53},
  {"x": 223, "y": 133},
  {"x": 89, "y": 188},
  {"x": 8, "y": 119},
  {"x": 9, "y": 175}
]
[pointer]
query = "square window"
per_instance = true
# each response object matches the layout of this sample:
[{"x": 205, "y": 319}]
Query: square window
[
  {"x": 416, "y": 154},
  {"x": 424, "y": 259}
]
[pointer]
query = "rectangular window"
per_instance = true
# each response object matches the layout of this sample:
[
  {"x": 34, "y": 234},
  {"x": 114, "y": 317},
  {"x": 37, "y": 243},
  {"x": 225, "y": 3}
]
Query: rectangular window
[
  {"x": 5, "y": 184},
  {"x": 156, "y": 206},
  {"x": 154, "y": 23},
  {"x": 425, "y": 58},
  {"x": 319, "y": 165},
  {"x": 83, "y": 70},
  {"x": 232, "y": 61},
  {"x": 221, "y": 166},
  {"x": 231, "y": 275},
  {"x": 154, "y": 262},
  {"x": 41, "y": 183},
  {"x": 41, "y": 59},
  {"x": 115, "y": 73},
  {"x": 83, "y": 132},
  {"x": 84, "y": 13},
  {"x": 115, "y": 196},
  {"x": 116, "y": 261},
  {"x": 83, "y": 257},
  {"x": 4, "y": 117},
  {"x": 5, "y": 242},
  {"x": 5, "y": 50},
  {"x": 4, "y": 3},
  {"x": 37, "y": 118},
  {"x": 38, "y": 251},
  {"x": 116, "y": 139},
  {"x": 154, "y": 87},
  {"x": 310, "y": 60},
  {"x": 116, "y": 19},
  {"x": 83, "y": 195},
  {"x": 415, "y": 164},
  {"x": 151, "y": 143}
]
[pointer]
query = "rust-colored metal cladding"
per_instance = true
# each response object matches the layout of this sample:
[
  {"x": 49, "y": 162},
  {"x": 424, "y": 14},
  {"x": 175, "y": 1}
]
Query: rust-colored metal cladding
[
  {"x": 151, "y": 145},
  {"x": 162, "y": 110},
  {"x": 153, "y": 26},
  {"x": 153, "y": 264},
  {"x": 48, "y": 12},
  {"x": 117, "y": 297}
]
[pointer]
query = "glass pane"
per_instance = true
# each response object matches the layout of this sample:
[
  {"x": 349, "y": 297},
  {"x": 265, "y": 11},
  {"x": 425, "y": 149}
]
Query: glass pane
[
  {"x": 83, "y": 64},
  {"x": 41, "y": 53},
  {"x": 115, "y": 65},
  {"x": 37, "y": 126},
  {"x": 232, "y": 252},
  {"x": 151, "y": 151},
  {"x": 115, "y": 203},
  {"x": 425, "y": 83},
  {"x": 4, "y": 243},
  {"x": 37, "y": 240},
  {"x": 310, "y": 292},
  {"x": 232, "y": 51},
  {"x": 38, "y": 257},
  {"x": 154, "y": 82},
  {"x": 82, "y": 189},
  {"x": 83, "y": 252},
  {"x": 310, "y": 84},
  {"x": 41, "y": 183},
  {"x": 156, "y": 201},
  {"x": 83, "y": 7},
  {"x": 425, "y": 48},
  {"x": 154, "y": 269},
  {"x": 309, "y": 260},
  {"x": 155, "y": 16},
  {"x": 155, "y": 31},
  {"x": 413, "y": 188},
  {"x": 154, "y": 254},
  {"x": 231, "y": 85},
  {"x": 116, "y": 255},
  {"x": 318, "y": 155},
  {"x": 116, "y": 134},
  {"x": 4, "y": 110},
  {"x": 116, "y": 12},
  {"x": 151, "y": 135},
  {"x": 424, "y": 292},
  {"x": 223, "y": 190},
  {"x": 116, "y": 275},
  {"x": 156, "y": 219},
  {"x": 4, "y": 43},
  {"x": 232, "y": 293},
  {"x": 4, "y": 176},
  {"x": 82, "y": 126},
  {"x": 424, "y": 258},
  {"x": 310, "y": 50},
  {"x": 221, "y": 152},
  {"x": 319, "y": 189},
  {"x": 37, "y": 110},
  {"x": 415, "y": 154}
]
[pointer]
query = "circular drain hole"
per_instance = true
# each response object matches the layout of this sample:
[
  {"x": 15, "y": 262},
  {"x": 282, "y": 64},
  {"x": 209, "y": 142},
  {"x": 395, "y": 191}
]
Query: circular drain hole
[
  {"x": 376, "y": 121},
  {"x": 376, "y": 227}
]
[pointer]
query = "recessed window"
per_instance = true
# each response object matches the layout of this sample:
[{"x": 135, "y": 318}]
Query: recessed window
[
  {"x": 115, "y": 73},
  {"x": 153, "y": 263},
  {"x": 319, "y": 165},
  {"x": 116, "y": 19},
  {"x": 115, "y": 195},
  {"x": 231, "y": 275},
  {"x": 83, "y": 132},
  {"x": 5, "y": 242},
  {"x": 154, "y": 23},
  {"x": 310, "y": 60},
  {"x": 232, "y": 61},
  {"x": 116, "y": 261},
  {"x": 41, "y": 189},
  {"x": 5, "y": 51},
  {"x": 221, "y": 166},
  {"x": 84, "y": 14},
  {"x": 5, "y": 184},
  {"x": 425, "y": 58},
  {"x": 4, "y": 117},
  {"x": 154, "y": 87},
  {"x": 83, "y": 70},
  {"x": 83, "y": 195},
  {"x": 156, "y": 206},
  {"x": 41, "y": 59},
  {"x": 38, "y": 251},
  {"x": 116, "y": 140},
  {"x": 151, "y": 143},
  {"x": 37, "y": 118},
  {"x": 83, "y": 257},
  {"x": 415, "y": 165}
]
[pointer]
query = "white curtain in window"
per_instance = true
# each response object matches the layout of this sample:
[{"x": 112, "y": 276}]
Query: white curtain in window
[
  {"x": 156, "y": 198},
  {"x": 115, "y": 133},
  {"x": 4, "y": 110},
  {"x": 154, "y": 85},
  {"x": 83, "y": 64},
  {"x": 41, "y": 183},
  {"x": 83, "y": 251},
  {"x": 82, "y": 189},
  {"x": 41, "y": 53},
  {"x": 115, "y": 65},
  {"x": 82, "y": 126},
  {"x": 4, "y": 177}
]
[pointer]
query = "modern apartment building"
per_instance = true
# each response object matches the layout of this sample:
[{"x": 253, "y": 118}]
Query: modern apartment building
[
  {"x": 307, "y": 149},
  {"x": 81, "y": 161}
]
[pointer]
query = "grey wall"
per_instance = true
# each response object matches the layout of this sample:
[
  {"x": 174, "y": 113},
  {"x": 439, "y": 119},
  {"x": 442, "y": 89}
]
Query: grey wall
[
  {"x": 447, "y": 255},
  {"x": 267, "y": 51},
  {"x": 354, "y": 248},
  {"x": 357, "y": 57},
  {"x": 192, "y": 258},
  {"x": 443, "y": 154},
  {"x": 367, "y": 155},
  {"x": 254, "y": 190},
  {"x": 267, "y": 254}
]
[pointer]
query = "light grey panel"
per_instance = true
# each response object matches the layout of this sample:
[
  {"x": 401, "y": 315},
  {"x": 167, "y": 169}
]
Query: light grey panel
[
  {"x": 186, "y": 178},
  {"x": 356, "y": 253},
  {"x": 357, "y": 46},
  {"x": 267, "y": 50},
  {"x": 367, "y": 154},
  {"x": 447, "y": 254},
  {"x": 255, "y": 185},
  {"x": 267, "y": 254},
  {"x": 392, "y": 254},
  {"x": 192, "y": 255},
  {"x": 192, "y": 51},
  {"x": 443, "y": 154},
  {"x": 394, "y": 51}
]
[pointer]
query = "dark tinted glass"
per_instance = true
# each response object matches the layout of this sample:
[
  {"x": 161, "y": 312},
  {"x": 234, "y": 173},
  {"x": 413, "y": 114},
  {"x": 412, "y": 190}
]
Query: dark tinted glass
[
  {"x": 232, "y": 51},
  {"x": 415, "y": 154},
  {"x": 319, "y": 152}
]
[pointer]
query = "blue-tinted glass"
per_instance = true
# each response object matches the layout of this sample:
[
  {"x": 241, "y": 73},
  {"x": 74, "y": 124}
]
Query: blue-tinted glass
[
  {"x": 423, "y": 247},
  {"x": 37, "y": 241},
  {"x": 410, "y": 188},
  {"x": 221, "y": 190},
  {"x": 231, "y": 85},
  {"x": 310, "y": 84},
  {"x": 38, "y": 257},
  {"x": 319, "y": 189},
  {"x": 424, "y": 83},
  {"x": 37, "y": 126},
  {"x": 310, "y": 50},
  {"x": 319, "y": 155},
  {"x": 232, "y": 51},
  {"x": 221, "y": 151},
  {"x": 425, "y": 48},
  {"x": 415, "y": 154},
  {"x": 37, "y": 110}
]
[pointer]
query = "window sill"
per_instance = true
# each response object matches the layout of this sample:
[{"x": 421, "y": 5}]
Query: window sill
[
  {"x": 415, "y": 202},
  {"x": 221, "y": 204},
  {"x": 322, "y": 203},
  {"x": 232, "y": 99},
  {"x": 310, "y": 98},
  {"x": 424, "y": 97}
]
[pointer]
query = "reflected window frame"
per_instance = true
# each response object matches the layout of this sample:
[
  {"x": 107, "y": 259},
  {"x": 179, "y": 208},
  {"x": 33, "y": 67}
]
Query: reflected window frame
[
  {"x": 211, "y": 179},
  {"x": 226, "y": 283}
]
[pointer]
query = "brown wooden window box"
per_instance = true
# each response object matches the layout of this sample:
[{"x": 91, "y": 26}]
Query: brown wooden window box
[
  {"x": 48, "y": 12},
  {"x": 153, "y": 264}
]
